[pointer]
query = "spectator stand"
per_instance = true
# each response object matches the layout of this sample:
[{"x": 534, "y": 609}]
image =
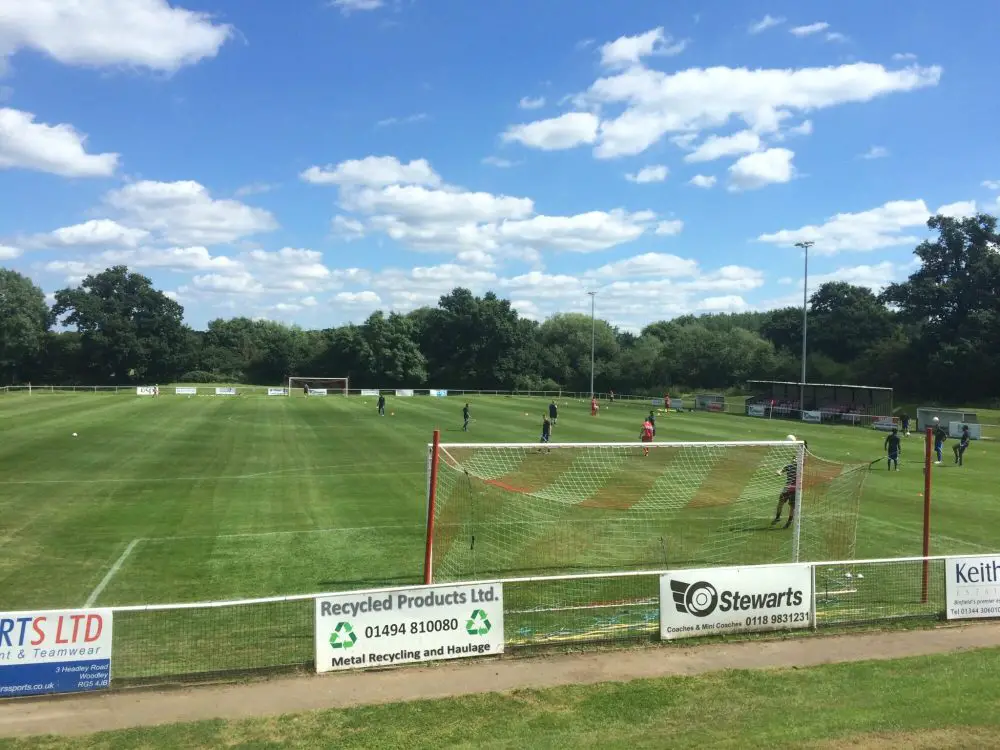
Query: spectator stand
[{"x": 863, "y": 405}]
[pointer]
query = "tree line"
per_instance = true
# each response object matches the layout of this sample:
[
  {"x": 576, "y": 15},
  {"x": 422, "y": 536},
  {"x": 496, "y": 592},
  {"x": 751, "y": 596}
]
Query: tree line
[{"x": 935, "y": 335}]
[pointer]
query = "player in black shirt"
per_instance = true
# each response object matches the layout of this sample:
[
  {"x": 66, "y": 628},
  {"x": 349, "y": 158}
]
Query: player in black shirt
[
  {"x": 940, "y": 435},
  {"x": 961, "y": 445},
  {"x": 553, "y": 412},
  {"x": 892, "y": 446},
  {"x": 465, "y": 418},
  {"x": 381, "y": 405},
  {"x": 791, "y": 472}
]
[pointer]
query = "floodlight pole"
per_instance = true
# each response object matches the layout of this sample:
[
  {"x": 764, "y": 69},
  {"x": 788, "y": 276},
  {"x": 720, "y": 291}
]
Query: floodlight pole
[
  {"x": 593, "y": 338},
  {"x": 805, "y": 321}
]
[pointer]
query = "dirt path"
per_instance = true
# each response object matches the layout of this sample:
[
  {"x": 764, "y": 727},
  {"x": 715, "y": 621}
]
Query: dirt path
[{"x": 95, "y": 713}]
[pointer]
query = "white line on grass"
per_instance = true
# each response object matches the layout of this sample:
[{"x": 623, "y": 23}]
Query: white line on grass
[
  {"x": 111, "y": 573},
  {"x": 277, "y": 474},
  {"x": 417, "y": 526}
]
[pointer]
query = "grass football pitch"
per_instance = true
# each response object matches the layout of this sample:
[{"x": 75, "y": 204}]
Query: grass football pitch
[{"x": 179, "y": 499}]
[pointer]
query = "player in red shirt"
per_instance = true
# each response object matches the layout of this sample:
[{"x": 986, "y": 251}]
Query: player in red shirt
[
  {"x": 646, "y": 435},
  {"x": 593, "y": 407},
  {"x": 666, "y": 402}
]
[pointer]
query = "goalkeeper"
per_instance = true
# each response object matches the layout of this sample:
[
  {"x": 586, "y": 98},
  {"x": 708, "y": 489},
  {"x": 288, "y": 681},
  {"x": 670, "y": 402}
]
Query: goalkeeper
[{"x": 791, "y": 472}]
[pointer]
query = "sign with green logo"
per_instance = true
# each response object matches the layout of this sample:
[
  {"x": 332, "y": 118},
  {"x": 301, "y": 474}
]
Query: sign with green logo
[{"x": 402, "y": 626}]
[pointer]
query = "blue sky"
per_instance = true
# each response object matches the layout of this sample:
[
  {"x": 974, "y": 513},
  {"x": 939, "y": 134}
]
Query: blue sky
[{"x": 311, "y": 161}]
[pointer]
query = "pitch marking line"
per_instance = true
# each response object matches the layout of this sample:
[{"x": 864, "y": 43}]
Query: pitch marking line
[
  {"x": 99, "y": 588},
  {"x": 412, "y": 526}
]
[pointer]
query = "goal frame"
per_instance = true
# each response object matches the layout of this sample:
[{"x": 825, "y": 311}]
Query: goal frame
[
  {"x": 302, "y": 379},
  {"x": 434, "y": 457}
]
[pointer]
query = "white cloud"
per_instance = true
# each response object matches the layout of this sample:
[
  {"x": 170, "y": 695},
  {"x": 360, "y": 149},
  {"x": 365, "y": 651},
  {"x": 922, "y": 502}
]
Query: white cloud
[
  {"x": 109, "y": 33},
  {"x": 194, "y": 258},
  {"x": 349, "y": 6},
  {"x": 717, "y": 147},
  {"x": 669, "y": 228},
  {"x": 584, "y": 233},
  {"x": 803, "y": 128},
  {"x": 348, "y": 228},
  {"x": 836, "y": 36},
  {"x": 95, "y": 232},
  {"x": 291, "y": 268},
  {"x": 528, "y": 102},
  {"x": 657, "y": 103},
  {"x": 958, "y": 210},
  {"x": 556, "y": 133},
  {"x": 762, "y": 168},
  {"x": 649, "y": 264},
  {"x": 185, "y": 213},
  {"x": 764, "y": 24},
  {"x": 57, "y": 149},
  {"x": 496, "y": 161},
  {"x": 652, "y": 173},
  {"x": 9, "y": 253},
  {"x": 417, "y": 117},
  {"x": 876, "y": 152},
  {"x": 419, "y": 203},
  {"x": 727, "y": 303},
  {"x": 254, "y": 188},
  {"x": 366, "y": 298},
  {"x": 727, "y": 278},
  {"x": 478, "y": 227},
  {"x": 629, "y": 50},
  {"x": 991, "y": 184},
  {"x": 904, "y": 56},
  {"x": 702, "y": 181},
  {"x": 373, "y": 171},
  {"x": 243, "y": 283},
  {"x": 809, "y": 29},
  {"x": 874, "y": 229}
]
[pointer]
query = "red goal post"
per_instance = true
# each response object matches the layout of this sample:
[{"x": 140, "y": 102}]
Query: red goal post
[{"x": 321, "y": 385}]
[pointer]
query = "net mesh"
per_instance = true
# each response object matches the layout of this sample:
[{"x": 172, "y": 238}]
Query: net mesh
[
  {"x": 523, "y": 510},
  {"x": 318, "y": 385}
]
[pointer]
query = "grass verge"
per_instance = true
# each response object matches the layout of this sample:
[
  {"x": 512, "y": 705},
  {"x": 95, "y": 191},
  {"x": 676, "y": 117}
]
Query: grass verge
[{"x": 950, "y": 701}]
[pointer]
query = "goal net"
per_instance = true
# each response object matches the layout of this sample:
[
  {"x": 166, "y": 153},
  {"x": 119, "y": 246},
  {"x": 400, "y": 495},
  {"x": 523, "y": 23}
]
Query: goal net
[
  {"x": 317, "y": 386},
  {"x": 510, "y": 510}
]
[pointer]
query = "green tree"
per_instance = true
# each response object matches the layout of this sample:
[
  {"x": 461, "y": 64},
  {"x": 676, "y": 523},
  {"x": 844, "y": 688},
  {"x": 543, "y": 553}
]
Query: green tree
[
  {"x": 393, "y": 354},
  {"x": 129, "y": 330},
  {"x": 24, "y": 321},
  {"x": 953, "y": 301},
  {"x": 845, "y": 320}
]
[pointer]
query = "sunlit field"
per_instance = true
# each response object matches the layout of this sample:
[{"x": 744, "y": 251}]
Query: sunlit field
[{"x": 206, "y": 498}]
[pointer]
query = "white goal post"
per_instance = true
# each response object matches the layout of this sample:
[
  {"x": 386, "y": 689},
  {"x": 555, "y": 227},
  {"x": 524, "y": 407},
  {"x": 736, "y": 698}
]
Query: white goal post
[
  {"x": 318, "y": 386},
  {"x": 496, "y": 510}
]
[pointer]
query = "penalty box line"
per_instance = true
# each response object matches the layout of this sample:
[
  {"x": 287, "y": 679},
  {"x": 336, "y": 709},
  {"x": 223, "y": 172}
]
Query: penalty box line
[{"x": 112, "y": 571}]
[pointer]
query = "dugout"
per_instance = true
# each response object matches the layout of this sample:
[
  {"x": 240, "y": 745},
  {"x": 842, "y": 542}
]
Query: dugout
[
  {"x": 824, "y": 402},
  {"x": 926, "y": 414},
  {"x": 709, "y": 402}
]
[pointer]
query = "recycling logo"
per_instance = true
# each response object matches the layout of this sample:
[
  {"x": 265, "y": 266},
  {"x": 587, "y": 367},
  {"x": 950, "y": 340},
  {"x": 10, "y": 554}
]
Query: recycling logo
[
  {"x": 478, "y": 623},
  {"x": 343, "y": 636}
]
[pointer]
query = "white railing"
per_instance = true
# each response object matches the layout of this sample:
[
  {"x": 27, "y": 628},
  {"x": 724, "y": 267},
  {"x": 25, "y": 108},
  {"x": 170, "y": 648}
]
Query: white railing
[{"x": 159, "y": 641}]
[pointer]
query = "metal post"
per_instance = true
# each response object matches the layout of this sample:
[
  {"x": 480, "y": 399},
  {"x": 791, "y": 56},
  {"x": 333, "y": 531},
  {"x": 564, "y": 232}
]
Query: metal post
[
  {"x": 593, "y": 338},
  {"x": 805, "y": 321}
]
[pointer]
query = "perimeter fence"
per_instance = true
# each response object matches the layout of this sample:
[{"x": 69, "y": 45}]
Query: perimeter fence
[{"x": 169, "y": 642}]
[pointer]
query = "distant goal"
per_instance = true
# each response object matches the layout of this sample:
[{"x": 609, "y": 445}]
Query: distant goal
[
  {"x": 317, "y": 386},
  {"x": 517, "y": 510}
]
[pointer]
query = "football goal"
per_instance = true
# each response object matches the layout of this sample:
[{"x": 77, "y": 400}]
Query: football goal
[
  {"x": 317, "y": 386},
  {"x": 510, "y": 510}
]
